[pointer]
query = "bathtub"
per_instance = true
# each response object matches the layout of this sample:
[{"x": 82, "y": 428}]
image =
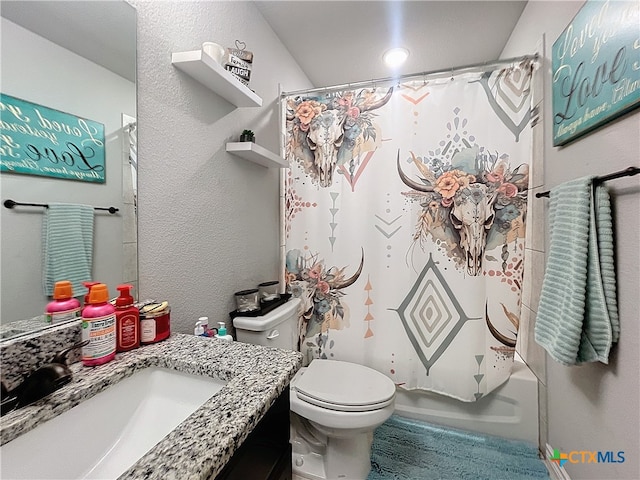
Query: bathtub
[{"x": 510, "y": 411}]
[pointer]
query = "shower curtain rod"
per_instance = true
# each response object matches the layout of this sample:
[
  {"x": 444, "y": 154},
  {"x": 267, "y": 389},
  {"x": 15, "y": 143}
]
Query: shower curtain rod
[{"x": 475, "y": 67}]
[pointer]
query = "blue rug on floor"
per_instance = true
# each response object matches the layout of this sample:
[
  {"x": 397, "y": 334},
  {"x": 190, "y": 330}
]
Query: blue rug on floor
[{"x": 405, "y": 449}]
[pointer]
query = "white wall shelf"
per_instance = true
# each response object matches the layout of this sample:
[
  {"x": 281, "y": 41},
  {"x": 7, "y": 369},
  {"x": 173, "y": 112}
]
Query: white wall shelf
[
  {"x": 257, "y": 154},
  {"x": 212, "y": 75}
]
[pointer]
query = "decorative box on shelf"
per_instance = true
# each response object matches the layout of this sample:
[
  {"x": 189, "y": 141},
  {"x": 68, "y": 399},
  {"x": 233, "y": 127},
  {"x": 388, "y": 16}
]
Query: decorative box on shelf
[
  {"x": 257, "y": 154},
  {"x": 212, "y": 75},
  {"x": 238, "y": 66}
]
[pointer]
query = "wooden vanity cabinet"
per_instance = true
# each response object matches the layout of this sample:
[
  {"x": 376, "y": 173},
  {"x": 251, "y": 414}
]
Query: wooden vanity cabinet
[{"x": 266, "y": 453}]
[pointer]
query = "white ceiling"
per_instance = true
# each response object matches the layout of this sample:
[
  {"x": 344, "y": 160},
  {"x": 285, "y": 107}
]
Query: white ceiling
[
  {"x": 334, "y": 42},
  {"x": 101, "y": 31},
  {"x": 338, "y": 42}
]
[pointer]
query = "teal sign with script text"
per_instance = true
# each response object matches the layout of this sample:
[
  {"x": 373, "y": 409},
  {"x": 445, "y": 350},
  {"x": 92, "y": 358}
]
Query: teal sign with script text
[
  {"x": 596, "y": 68},
  {"x": 37, "y": 140}
]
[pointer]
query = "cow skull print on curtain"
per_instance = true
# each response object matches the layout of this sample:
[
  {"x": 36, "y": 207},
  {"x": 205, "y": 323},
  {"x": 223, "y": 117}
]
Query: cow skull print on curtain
[{"x": 405, "y": 225}]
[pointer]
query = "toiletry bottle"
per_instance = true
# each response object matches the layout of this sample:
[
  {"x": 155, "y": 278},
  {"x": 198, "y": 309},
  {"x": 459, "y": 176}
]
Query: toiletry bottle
[
  {"x": 202, "y": 328},
  {"x": 127, "y": 321},
  {"x": 207, "y": 332},
  {"x": 88, "y": 286},
  {"x": 155, "y": 322},
  {"x": 204, "y": 321},
  {"x": 99, "y": 327},
  {"x": 222, "y": 333},
  {"x": 199, "y": 329},
  {"x": 63, "y": 307}
]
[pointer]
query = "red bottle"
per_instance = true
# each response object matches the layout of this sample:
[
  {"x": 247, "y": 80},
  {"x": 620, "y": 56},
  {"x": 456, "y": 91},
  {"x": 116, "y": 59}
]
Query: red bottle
[
  {"x": 127, "y": 321},
  {"x": 154, "y": 322}
]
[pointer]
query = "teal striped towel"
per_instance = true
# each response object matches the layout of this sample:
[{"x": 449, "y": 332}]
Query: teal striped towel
[
  {"x": 67, "y": 246},
  {"x": 577, "y": 317}
]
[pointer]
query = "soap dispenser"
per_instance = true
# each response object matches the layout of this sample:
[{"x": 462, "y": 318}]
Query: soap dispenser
[
  {"x": 99, "y": 327},
  {"x": 222, "y": 333},
  {"x": 199, "y": 329},
  {"x": 88, "y": 286},
  {"x": 127, "y": 321},
  {"x": 63, "y": 307}
]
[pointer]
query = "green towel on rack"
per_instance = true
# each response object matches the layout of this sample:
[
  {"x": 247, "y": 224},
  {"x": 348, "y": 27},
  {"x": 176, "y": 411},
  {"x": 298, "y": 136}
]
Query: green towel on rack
[
  {"x": 67, "y": 246},
  {"x": 577, "y": 317}
]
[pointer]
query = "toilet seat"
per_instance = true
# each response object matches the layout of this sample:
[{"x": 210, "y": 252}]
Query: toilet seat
[{"x": 344, "y": 387}]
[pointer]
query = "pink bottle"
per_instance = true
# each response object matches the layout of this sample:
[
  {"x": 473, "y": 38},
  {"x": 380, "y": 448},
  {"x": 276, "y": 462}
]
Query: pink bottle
[
  {"x": 99, "y": 327},
  {"x": 63, "y": 307}
]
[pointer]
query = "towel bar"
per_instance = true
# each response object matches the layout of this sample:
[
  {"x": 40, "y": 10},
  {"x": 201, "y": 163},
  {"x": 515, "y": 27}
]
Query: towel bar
[
  {"x": 11, "y": 203},
  {"x": 627, "y": 172}
]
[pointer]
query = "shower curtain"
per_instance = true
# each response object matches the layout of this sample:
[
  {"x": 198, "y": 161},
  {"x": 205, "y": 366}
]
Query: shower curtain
[{"x": 405, "y": 209}]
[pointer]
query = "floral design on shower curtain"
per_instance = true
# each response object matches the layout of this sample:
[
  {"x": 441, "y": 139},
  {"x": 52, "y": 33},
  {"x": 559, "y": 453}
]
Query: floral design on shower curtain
[
  {"x": 320, "y": 290},
  {"x": 329, "y": 131},
  {"x": 467, "y": 207},
  {"x": 440, "y": 211}
]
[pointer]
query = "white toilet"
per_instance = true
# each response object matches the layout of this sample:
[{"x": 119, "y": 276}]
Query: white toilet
[{"x": 335, "y": 405}]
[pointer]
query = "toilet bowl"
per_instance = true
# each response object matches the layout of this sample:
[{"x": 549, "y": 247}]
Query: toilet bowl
[{"x": 335, "y": 405}]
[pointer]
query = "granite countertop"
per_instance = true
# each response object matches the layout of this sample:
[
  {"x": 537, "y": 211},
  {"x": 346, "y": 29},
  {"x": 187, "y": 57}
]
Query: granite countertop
[
  {"x": 22, "y": 327},
  {"x": 201, "y": 445}
]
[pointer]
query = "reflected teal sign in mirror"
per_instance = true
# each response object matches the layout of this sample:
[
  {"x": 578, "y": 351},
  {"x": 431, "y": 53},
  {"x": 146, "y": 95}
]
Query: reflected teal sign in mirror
[
  {"x": 37, "y": 140},
  {"x": 596, "y": 68}
]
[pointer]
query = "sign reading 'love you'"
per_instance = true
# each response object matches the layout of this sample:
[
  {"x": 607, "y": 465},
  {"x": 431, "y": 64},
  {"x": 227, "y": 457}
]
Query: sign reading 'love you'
[
  {"x": 36, "y": 140},
  {"x": 596, "y": 68}
]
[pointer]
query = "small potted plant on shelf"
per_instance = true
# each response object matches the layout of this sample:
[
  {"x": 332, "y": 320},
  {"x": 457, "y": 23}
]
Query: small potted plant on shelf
[{"x": 247, "y": 136}]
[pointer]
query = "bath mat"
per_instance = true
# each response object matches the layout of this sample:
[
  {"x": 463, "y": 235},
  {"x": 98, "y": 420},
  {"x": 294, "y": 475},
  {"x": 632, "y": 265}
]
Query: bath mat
[{"x": 405, "y": 449}]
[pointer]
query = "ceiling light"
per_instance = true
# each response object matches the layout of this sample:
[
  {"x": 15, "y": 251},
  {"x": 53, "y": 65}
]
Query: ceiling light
[{"x": 395, "y": 57}]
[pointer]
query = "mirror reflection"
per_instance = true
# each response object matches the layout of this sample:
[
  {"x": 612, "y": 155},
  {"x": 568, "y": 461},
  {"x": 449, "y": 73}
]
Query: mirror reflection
[{"x": 77, "y": 58}]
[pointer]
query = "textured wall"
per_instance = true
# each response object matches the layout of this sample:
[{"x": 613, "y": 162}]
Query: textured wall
[
  {"x": 594, "y": 407},
  {"x": 208, "y": 221}
]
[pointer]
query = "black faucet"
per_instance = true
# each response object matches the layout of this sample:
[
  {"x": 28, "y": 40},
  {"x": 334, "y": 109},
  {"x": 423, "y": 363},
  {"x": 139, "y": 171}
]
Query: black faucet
[{"x": 39, "y": 383}]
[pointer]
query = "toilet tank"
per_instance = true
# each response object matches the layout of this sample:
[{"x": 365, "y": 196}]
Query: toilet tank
[{"x": 278, "y": 328}]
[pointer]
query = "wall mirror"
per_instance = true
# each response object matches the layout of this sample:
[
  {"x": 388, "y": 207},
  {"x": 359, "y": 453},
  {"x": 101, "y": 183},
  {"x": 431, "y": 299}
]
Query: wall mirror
[{"x": 78, "y": 58}]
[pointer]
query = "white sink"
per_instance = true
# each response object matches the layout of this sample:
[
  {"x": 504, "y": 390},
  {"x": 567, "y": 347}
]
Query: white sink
[{"x": 105, "y": 435}]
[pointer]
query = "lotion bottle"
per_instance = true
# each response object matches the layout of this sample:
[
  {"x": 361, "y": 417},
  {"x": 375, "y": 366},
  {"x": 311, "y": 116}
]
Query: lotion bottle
[
  {"x": 199, "y": 329},
  {"x": 127, "y": 321},
  {"x": 63, "y": 307},
  {"x": 222, "y": 333},
  {"x": 99, "y": 327},
  {"x": 88, "y": 286},
  {"x": 202, "y": 328}
]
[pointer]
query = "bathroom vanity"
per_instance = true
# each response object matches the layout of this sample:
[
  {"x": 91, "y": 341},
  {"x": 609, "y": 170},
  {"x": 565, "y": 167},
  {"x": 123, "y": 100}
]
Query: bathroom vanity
[
  {"x": 266, "y": 453},
  {"x": 241, "y": 431}
]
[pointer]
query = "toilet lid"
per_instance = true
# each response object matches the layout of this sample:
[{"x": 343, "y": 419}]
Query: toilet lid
[{"x": 344, "y": 386}]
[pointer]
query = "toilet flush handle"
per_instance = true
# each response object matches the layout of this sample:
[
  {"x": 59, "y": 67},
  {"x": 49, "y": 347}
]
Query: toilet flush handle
[{"x": 273, "y": 334}]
